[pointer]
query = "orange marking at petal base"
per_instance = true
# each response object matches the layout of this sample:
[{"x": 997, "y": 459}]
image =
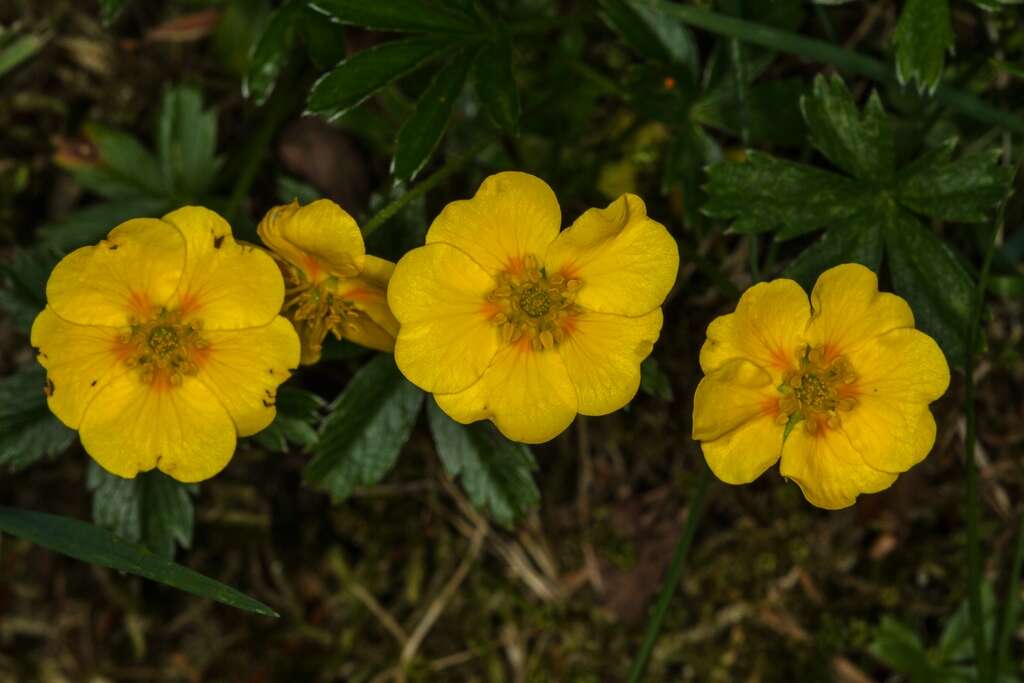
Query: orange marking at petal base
[
  {"x": 770, "y": 407},
  {"x": 523, "y": 345},
  {"x": 781, "y": 359},
  {"x": 122, "y": 350},
  {"x": 188, "y": 304},
  {"x": 161, "y": 382},
  {"x": 831, "y": 352},
  {"x": 567, "y": 325},
  {"x": 312, "y": 267},
  {"x": 139, "y": 303},
  {"x": 515, "y": 265},
  {"x": 489, "y": 309},
  {"x": 570, "y": 271},
  {"x": 201, "y": 356},
  {"x": 362, "y": 294}
]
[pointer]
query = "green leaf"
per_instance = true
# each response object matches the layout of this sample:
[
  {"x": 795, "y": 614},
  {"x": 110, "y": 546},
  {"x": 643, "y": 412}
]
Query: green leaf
[
  {"x": 91, "y": 224},
  {"x": 495, "y": 472},
  {"x": 92, "y": 544},
  {"x": 152, "y": 509},
  {"x": 324, "y": 38},
  {"x": 187, "y": 143},
  {"x": 957, "y": 641},
  {"x": 897, "y": 645},
  {"x": 366, "y": 429},
  {"x": 110, "y": 9},
  {"x": 298, "y": 411},
  {"x": 859, "y": 241},
  {"x": 495, "y": 84},
  {"x": 650, "y": 31},
  {"x": 399, "y": 15},
  {"x": 764, "y": 194},
  {"x": 126, "y": 168},
  {"x": 16, "y": 50},
  {"x": 23, "y": 293},
  {"x": 421, "y": 133},
  {"x": 773, "y": 112},
  {"x": 29, "y": 432},
  {"x": 965, "y": 190},
  {"x": 927, "y": 273},
  {"x": 366, "y": 72},
  {"x": 861, "y": 145},
  {"x": 1014, "y": 69},
  {"x": 923, "y": 35},
  {"x": 271, "y": 51},
  {"x": 654, "y": 381}
]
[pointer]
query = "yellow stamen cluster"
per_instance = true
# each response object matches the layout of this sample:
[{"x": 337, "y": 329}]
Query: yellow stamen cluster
[
  {"x": 316, "y": 310},
  {"x": 532, "y": 304},
  {"x": 164, "y": 346},
  {"x": 814, "y": 392}
]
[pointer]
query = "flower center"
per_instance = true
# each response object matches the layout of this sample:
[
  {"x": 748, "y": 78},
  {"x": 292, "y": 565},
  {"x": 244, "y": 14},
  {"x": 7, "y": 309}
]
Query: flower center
[
  {"x": 164, "y": 347},
  {"x": 533, "y": 305},
  {"x": 818, "y": 391},
  {"x": 316, "y": 310}
]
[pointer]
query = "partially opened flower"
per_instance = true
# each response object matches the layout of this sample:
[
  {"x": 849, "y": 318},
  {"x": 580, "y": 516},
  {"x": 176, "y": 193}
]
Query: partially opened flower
[
  {"x": 838, "y": 387},
  {"x": 162, "y": 344},
  {"x": 333, "y": 285},
  {"x": 504, "y": 318}
]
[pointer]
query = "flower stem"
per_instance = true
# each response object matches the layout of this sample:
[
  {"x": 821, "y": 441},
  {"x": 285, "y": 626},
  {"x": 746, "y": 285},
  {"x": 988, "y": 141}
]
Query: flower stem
[
  {"x": 675, "y": 572},
  {"x": 430, "y": 182},
  {"x": 970, "y": 437}
]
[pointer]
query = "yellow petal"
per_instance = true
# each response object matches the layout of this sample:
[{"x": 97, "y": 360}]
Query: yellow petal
[
  {"x": 243, "y": 369},
  {"x": 320, "y": 238},
  {"x": 80, "y": 360},
  {"x": 226, "y": 285},
  {"x": 603, "y": 353},
  {"x": 526, "y": 393},
  {"x": 511, "y": 216},
  {"x": 368, "y": 293},
  {"x": 439, "y": 295},
  {"x": 742, "y": 455},
  {"x": 828, "y": 470},
  {"x": 626, "y": 261},
  {"x": 767, "y": 328},
  {"x": 899, "y": 374},
  {"x": 135, "y": 269},
  {"x": 849, "y": 310},
  {"x": 184, "y": 431},
  {"x": 730, "y": 396}
]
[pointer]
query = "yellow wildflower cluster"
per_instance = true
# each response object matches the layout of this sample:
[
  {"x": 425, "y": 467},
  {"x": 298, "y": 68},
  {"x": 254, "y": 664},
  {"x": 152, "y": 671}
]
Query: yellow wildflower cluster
[{"x": 167, "y": 340}]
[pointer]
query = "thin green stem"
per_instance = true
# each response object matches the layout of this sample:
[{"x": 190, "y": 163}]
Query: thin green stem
[
  {"x": 973, "y": 542},
  {"x": 430, "y": 182},
  {"x": 1012, "y": 600},
  {"x": 841, "y": 58},
  {"x": 675, "y": 573}
]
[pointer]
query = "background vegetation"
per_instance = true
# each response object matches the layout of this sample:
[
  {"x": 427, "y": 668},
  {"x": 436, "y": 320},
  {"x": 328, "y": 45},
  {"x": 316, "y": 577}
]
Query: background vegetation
[{"x": 396, "y": 545}]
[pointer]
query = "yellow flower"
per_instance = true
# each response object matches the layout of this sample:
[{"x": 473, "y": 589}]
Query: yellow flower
[
  {"x": 333, "y": 285},
  {"x": 162, "y": 344},
  {"x": 503, "y": 318},
  {"x": 847, "y": 372}
]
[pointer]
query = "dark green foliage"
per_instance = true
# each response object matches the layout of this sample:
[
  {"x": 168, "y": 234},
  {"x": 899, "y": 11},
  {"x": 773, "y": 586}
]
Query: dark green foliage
[
  {"x": 876, "y": 206},
  {"x": 654, "y": 381},
  {"x": 495, "y": 472},
  {"x": 365, "y": 430},
  {"x": 29, "y": 432},
  {"x": 23, "y": 293},
  {"x": 923, "y": 36},
  {"x": 152, "y": 509},
  {"x": 399, "y": 15},
  {"x": 98, "y": 546},
  {"x": 423, "y": 130},
  {"x": 495, "y": 83},
  {"x": 366, "y": 72},
  {"x": 298, "y": 413}
]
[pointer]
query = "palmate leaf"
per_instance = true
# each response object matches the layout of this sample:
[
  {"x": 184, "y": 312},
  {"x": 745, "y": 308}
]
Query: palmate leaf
[
  {"x": 874, "y": 210},
  {"x": 23, "y": 284},
  {"x": 271, "y": 51},
  {"x": 187, "y": 145},
  {"x": 495, "y": 84},
  {"x": 94, "y": 545},
  {"x": 495, "y": 472},
  {"x": 152, "y": 509},
  {"x": 298, "y": 412},
  {"x": 650, "y": 32},
  {"x": 365, "y": 430}
]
